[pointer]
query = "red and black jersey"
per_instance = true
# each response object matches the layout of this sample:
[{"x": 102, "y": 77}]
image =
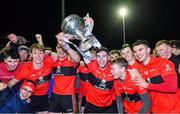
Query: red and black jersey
[
  {"x": 100, "y": 91},
  {"x": 130, "y": 94},
  {"x": 162, "y": 78},
  {"x": 64, "y": 72},
  {"x": 83, "y": 74},
  {"x": 41, "y": 76}
]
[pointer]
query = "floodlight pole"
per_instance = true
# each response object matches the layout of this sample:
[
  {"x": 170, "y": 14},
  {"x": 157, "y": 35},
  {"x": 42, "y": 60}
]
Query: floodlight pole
[
  {"x": 63, "y": 9},
  {"x": 122, "y": 12},
  {"x": 124, "y": 30}
]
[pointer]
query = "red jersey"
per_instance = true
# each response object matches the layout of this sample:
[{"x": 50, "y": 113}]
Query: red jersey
[
  {"x": 6, "y": 75},
  {"x": 64, "y": 72},
  {"x": 100, "y": 91},
  {"x": 83, "y": 74},
  {"x": 177, "y": 101},
  {"x": 41, "y": 76},
  {"x": 137, "y": 65},
  {"x": 162, "y": 78},
  {"x": 130, "y": 94}
]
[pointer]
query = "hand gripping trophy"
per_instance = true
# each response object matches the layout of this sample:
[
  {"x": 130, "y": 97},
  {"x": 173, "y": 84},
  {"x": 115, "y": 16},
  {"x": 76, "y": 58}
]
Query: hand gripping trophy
[{"x": 80, "y": 29}]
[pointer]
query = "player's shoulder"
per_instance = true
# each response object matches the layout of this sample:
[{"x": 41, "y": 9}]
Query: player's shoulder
[{"x": 164, "y": 62}]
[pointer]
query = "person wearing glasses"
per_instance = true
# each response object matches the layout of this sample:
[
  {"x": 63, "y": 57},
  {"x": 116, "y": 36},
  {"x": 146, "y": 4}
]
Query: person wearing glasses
[{"x": 11, "y": 102}]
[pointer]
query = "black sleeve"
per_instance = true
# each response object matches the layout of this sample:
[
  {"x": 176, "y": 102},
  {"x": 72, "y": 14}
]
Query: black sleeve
[
  {"x": 119, "y": 104},
  {"x": 146, "y": 103},
  {"x": 5, "y": 96}
]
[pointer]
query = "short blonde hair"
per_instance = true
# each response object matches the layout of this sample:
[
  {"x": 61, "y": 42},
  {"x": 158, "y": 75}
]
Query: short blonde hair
[{"x": 37, "y": 46}]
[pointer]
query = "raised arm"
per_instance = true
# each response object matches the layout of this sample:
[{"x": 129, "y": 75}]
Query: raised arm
[
  {"x": 39, "y": 39},
  {"x": 5, "y": 48},
  {"x": 72, "y": 54},
  {"x": 12, "y": 82}
]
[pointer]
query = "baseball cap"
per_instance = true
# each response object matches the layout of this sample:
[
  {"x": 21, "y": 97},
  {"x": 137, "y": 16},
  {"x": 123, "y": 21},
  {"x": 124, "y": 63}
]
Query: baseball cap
[{"x": 23, "y": 47}]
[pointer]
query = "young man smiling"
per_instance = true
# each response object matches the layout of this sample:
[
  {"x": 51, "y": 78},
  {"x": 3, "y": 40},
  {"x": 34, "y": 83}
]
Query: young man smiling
[
  {"x": 100, "y": 95},
  {"x": 10, "y": 66},
  {"x": 16, "y": 102},
  {"x": 160, "y": 79},
  {"x": 39, "y": 71}
]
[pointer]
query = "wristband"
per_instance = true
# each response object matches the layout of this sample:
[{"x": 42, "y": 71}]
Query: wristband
[{"x": 66, "y": 47}]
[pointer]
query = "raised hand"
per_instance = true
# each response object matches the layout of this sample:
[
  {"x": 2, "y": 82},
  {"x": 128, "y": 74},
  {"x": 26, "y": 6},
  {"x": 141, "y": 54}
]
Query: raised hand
[
  {"x": 2, "y": 86},
  {"x": 61, "y": 38},
  {"x": 38, "y": 37}
]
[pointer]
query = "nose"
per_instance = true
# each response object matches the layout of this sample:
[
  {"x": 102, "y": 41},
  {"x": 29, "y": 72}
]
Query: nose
[
  {"x": 13, "y": 64},
  {"x": 38, "y": 55}
]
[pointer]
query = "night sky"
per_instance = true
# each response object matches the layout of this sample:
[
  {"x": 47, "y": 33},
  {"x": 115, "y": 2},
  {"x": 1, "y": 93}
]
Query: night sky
[{"x": 147, "y": 19}]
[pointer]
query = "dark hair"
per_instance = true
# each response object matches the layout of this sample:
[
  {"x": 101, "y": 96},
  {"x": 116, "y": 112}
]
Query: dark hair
[
  {"x": 175, "y": 43},
  {"x": 139, "y": 42},
  {"x": 93, "y": 49},
  {"x": 126, "y": 46},
  {"x": 121, "y": 62},
  {"x": 11, "y": 53},
  {"x": 114, "y": 51},
  {"x": 102, "y": 49}
]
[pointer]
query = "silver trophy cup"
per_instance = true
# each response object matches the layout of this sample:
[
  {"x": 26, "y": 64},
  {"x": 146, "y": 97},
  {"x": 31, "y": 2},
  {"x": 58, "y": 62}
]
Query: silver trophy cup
[{"x": 74, "y": 25}]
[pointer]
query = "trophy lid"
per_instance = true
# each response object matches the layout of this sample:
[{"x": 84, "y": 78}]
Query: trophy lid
[{"x": 72, "y": 23}]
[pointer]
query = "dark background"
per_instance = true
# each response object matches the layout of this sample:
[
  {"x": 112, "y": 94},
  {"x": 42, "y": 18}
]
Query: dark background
[{"x": 147, "y": 19}]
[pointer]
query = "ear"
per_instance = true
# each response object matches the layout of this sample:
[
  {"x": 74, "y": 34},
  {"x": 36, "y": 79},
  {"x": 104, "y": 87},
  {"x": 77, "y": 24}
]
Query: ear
[
  {"x": 148, "y": 49},
  {"x": 109, "y": 57},
  {"x": 123, "y": 69}
]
